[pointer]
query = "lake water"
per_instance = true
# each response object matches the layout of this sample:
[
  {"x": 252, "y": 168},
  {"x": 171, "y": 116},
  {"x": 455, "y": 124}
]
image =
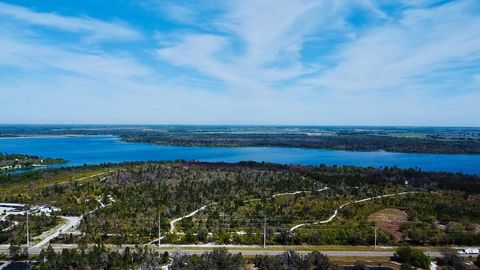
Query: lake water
[{"x": 103, "y": 149}]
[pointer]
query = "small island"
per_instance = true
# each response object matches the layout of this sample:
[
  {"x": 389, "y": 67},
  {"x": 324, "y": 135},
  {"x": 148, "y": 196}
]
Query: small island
[{"x": 13, "y": 162}]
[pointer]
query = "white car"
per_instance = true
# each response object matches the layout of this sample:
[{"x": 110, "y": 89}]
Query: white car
[{"x": 469, "y": 251}]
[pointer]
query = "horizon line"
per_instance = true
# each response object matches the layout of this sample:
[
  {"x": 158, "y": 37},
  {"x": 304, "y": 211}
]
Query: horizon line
[{"x": 237, "y": 125}]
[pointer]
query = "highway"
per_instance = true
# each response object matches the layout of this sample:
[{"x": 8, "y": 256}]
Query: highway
[
  {"x": 72, "y": 222},
  {"x": 245, "y": 250},
  {"x": 330, "y": 253}
]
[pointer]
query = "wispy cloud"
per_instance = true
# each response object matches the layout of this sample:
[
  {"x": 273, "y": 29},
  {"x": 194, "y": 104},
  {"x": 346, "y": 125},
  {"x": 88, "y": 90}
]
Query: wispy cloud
[
  {"x": 263, "y": 41},
  {"x": 252, "y": 45},
  {"x": 36, "y": 58},
  {"x": 407, "y": 53},
  {"x": 240, "y": 62},
  {"x": 94, "y": 30}
]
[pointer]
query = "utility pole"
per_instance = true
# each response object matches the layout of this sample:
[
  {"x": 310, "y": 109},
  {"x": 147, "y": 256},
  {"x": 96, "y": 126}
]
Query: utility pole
[
  {"x": 264, "y": 231},
  {"x": 375, "y": 235},
  {"x": 28, "y": 236},
  {"x": 159, "y": 228},
  {"x": 30, "y": 189}
]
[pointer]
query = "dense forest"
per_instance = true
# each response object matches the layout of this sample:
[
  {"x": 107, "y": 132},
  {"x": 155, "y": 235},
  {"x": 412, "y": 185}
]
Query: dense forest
[
  {"x": 341, "y": 141},
  {"x": 242, "y": 198},
  {"x": 392, "y": 139},
  {"x": 101, "y": 258},
  {"x": 142, "y": 258}
]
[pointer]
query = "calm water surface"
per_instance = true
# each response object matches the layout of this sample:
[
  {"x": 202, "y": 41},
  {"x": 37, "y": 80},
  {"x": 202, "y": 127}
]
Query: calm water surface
[{"x": 102, "y": 149}]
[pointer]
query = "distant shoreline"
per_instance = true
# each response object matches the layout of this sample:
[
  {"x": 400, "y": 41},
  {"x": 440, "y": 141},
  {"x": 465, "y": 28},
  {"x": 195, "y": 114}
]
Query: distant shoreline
[{"x": 55, "y": 136}]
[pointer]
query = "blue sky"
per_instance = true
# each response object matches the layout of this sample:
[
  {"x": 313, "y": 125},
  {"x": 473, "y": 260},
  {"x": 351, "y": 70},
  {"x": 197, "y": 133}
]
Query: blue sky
[{"x": 359, "y": 62}]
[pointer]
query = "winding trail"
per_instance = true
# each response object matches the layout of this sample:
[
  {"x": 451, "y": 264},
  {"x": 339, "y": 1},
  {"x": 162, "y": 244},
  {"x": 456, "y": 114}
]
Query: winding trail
[
  {"x": 335, "y": 213},
  {"x": 173, "y": 222},
  {"x": 296, "y": 192}
]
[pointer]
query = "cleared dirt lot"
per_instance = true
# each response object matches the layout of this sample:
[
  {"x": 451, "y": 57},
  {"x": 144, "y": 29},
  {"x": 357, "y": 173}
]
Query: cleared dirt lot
[{"x": 389, "y": 220}]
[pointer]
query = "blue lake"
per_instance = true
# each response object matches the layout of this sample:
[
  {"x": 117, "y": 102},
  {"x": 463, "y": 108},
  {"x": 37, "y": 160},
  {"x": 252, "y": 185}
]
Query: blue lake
[{"x": 103, "y": 149}]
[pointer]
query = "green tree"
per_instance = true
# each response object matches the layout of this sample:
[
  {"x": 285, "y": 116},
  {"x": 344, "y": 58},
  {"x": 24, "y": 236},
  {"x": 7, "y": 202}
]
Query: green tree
[
  {"x": 406, "y": 266},
  {"x": 165, "y": 257},
  {"x": 14, "y": 250},
  {"x": 319, "y": 261},
  {"x": 412, "y": 256},
  {"x": 452, "y": 260},
  {"x": 360, "y": 265}
]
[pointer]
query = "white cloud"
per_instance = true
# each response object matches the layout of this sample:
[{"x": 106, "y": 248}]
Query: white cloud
[
  {"x": 34, "y": 57},
  {"x": 245, "y": 64},
  {"x": 398, "y": 55},
  {"x": 177, "y": 12},
  {"x": 259, "y": 43},
  {"x": 95, "y": 30},
  {"x": 252, "y": 45},
  {"x": 267, "y": 28}
]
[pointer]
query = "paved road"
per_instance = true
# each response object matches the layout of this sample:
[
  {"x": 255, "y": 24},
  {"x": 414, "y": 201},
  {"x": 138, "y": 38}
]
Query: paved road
[
  {"x": 277, "y": 252},
  {"x": 4, "y": 264},
  {"x": 72, "y": 222},
  {"x": 248, "y": 252},
  {"x": 326, "y": 252}
]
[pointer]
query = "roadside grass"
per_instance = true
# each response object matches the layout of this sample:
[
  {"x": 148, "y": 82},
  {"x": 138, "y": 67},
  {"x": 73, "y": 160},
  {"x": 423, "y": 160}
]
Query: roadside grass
[
  {"x": 369, "y": 261},
  {"x": 275, "y": 248},
  {"x": 296, "y": 248}
]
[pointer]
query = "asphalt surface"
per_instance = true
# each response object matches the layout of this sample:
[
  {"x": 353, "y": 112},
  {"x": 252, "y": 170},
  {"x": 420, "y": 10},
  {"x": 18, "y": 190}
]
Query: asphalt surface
[
  {"x": 72, "y": 222},
  {"x": 248, "y": 252},
  {"x": 329, "y": 253}
]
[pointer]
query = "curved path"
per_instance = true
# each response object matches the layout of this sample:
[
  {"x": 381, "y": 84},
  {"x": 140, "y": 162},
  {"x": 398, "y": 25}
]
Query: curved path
[
  {"x": 173, "y": 222},
  {"x": 296, "y": 192},
  {"x": 335, "y": 213},
  {"x": 72, "y": 223}
]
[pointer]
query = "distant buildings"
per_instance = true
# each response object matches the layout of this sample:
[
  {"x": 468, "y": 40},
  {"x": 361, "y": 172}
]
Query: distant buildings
[{"x": 19, "y": 209}]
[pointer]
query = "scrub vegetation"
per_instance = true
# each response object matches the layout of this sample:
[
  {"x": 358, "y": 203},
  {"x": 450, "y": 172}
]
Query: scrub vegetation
[{"x": 240, "y": 199}]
